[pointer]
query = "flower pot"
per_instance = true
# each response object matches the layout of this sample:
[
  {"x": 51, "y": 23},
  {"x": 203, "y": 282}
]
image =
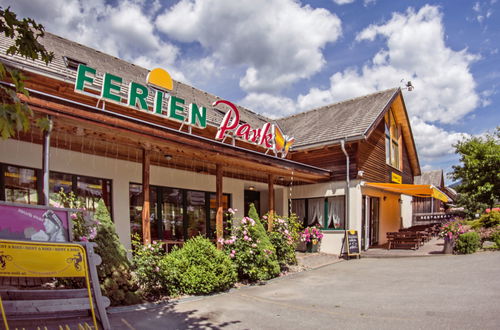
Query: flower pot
[
  {"x": 311, "y": 247},
  {"x": 449, "y": 243}
]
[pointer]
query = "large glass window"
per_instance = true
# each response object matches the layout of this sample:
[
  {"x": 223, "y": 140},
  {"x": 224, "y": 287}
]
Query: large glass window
[
  {"x": 336, "y": 213},
  {"x": 20, "y": 185},
  {"x": 392, "y": 151},
  {"x": 183, "y": 213},
  {"x": 172, "y": 214}
]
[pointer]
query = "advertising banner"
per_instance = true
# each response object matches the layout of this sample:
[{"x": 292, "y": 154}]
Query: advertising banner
[{"x": 34, "y": 223}]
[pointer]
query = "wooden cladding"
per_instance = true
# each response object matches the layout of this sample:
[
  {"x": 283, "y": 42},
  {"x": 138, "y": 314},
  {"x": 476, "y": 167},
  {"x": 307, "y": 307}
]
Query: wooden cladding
[
  {"x": 372, "y": 160},
  {"x": 331, "y": 158}
]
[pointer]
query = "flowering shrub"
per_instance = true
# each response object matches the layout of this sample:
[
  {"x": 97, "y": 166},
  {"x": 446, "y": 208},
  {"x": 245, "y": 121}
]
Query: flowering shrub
[
  {"x": 146, "y": 260},
  {"x": 283, "y": 236},
  {"x": 84, "y": 227},
  {"x": 451, "y": 230},
  {"x": 250, "y": 249},
  {"x": 197, "y": 268},
  {"x": 311, "y": 234}
]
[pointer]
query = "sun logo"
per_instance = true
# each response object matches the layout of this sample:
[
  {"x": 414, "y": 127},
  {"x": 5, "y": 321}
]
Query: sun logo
[
  {"x": 282, "y": 142},
  {"x": 161, "y": 79}
]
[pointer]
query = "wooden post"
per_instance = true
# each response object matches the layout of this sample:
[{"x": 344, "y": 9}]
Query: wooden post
[
  {"x": 270, "y": 186},
  {"x": 146, "y": 227},
  {"x": 218, "y": 205}
]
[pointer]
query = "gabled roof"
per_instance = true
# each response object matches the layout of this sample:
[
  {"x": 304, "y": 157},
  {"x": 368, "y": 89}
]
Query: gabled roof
[
  {"x": 434, "y": 178},
  {"x": 351, "y": 119}
]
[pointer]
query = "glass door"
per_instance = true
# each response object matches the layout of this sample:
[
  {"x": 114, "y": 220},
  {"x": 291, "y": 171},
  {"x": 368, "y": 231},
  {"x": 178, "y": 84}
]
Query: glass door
[{"x": 374, "y": 220}]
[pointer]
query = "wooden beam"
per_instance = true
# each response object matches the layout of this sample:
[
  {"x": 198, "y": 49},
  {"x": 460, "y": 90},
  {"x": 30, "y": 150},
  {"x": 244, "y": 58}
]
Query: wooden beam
[
  {"x": 218, "y": 205},
  {"x": 146, "y": 227},
  {"x": 270, "y": 186}
]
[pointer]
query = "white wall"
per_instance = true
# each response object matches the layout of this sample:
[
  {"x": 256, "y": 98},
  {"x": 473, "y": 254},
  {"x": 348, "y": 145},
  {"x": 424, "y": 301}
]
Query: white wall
[
  {"x": 407, "y": 211},
  {"x": 122, "y": 173}
]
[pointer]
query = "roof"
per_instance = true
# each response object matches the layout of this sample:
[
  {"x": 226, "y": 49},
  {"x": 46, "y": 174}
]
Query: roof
[
  {"x": 105, "y": 63},
  {"x": 349, "y": 119},
  {"x": 434, "y": 178}
]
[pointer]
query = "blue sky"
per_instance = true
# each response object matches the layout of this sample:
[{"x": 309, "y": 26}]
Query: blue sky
[{"x": 280, "y": 57}]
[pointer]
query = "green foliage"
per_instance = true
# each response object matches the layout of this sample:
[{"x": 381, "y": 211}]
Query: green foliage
[
  {"x": 468, "y": 243},
  {"x": 146, "y": 260},
  {"x": 251, "y": 250},
  {"x": 283, "y": 236},
  {"x": 489, "y": 220},
  {"x": 84, "y": 227},
  {"x": 117, "y": 282},
  {"x": 478, "y": 172},
  {"x": 496, "y": 238},
  {"x": 14, "y": 114},
  {"x": 197, "y": 268}
]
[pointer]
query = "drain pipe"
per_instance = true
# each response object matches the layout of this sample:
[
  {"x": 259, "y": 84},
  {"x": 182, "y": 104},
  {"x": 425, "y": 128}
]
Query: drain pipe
[{"x": 342, "y": 146}]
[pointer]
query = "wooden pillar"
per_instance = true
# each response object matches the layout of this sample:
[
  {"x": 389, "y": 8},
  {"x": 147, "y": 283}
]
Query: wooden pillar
[
  {"x": 270, "y": 186},
  {"x": 146, "y": 226},
  {"x": 219, "y": 206}
]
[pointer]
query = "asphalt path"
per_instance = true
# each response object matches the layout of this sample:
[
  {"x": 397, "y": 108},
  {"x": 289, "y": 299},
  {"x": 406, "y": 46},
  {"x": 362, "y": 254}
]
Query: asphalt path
[{"x": 442, "y": 292}]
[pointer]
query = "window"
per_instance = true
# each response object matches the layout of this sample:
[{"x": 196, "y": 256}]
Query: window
[
  {"x": 392, "y": 151},
  {"x": 213, "y": 215},
  {"x": 23, "y": 185},
  {"x": 326, "y": 213},
  {"x": 20, "y": 185},
  {"x": 336, "y": 213},
  {"x": 183, "y": 213}
]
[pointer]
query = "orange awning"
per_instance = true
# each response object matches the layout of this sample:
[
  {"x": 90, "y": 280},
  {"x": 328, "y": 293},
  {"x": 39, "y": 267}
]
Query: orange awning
[{"x": 419, "y": 190}]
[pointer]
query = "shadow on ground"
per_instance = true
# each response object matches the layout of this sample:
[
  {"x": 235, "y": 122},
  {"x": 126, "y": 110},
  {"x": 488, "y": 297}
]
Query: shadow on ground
[{"x": 167, "y": 317}]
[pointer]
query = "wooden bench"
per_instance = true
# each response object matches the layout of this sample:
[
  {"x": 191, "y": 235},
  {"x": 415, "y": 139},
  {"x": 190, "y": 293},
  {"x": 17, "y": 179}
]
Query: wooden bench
[{"x": 404, "y": 240}]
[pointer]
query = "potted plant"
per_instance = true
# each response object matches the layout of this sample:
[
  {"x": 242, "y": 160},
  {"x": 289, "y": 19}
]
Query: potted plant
[
  {"x": 450, "y": 232},
  {"x": 312, "y": 237}
]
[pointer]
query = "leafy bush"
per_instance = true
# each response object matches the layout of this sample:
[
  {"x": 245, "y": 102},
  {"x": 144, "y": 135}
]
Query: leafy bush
[
  {"x": 491, "y": 219},
  {"x": 283, "y": 237},
  {"x": 146, "y": 260},
  {"x": 468, "y": 243},
  {"x": 115, "y": 276},
  {"x": 251, "y": 250},
  {"x": 197, "y": 268},
  {"x": 496, "y": 238}
]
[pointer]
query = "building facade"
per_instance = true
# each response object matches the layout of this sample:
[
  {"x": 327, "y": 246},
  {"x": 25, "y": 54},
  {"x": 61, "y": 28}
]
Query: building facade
[{"x": 166, "y": 159}]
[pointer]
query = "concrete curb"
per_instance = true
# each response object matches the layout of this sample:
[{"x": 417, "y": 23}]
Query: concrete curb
[{"x": 154, "y": 305}]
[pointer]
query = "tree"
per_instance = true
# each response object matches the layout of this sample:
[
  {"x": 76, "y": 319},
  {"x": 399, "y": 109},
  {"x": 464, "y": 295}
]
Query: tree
[
  {"x": 479, "y": 171},
  {"x": 15, "y": 115}
]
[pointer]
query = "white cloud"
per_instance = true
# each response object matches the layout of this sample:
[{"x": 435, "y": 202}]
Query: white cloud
[
  {"x": 269, "y": 105},
  {"x": 343, "y": 2},
  {"x": 415, "y": 50},
  {"x": 276, "y": 43},
  {"x": 123, "y": 30},
  {"x": 433, "y": 142}
]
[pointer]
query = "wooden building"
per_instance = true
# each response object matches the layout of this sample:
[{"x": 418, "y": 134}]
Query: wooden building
[{"x": 167, "y": 159}]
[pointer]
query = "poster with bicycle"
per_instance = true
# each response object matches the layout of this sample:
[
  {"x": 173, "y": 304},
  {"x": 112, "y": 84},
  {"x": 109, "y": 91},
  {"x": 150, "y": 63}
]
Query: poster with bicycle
[{"x": 35, "y": 223}]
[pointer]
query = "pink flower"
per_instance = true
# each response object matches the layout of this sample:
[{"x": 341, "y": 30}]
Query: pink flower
[
  {"x": 254, "y": 245},
  {"x": 84, "y": 239},
  {"x": 264, "y": 217},
  {"x": 74, "y": 216},
  {"x": 230, "y": 210}
]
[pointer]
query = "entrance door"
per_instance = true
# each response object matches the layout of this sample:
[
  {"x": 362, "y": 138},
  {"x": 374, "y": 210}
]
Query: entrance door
[
  {"x": 370, "y": 221},
  {"x": 252, "y": 196},
  {"x": 374, "y": 220}
]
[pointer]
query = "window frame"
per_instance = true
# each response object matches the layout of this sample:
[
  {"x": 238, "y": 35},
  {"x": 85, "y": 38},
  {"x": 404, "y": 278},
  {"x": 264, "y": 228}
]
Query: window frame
[
  {"x": 324, "y": 225},
  {"x": 392, "y": 133}
]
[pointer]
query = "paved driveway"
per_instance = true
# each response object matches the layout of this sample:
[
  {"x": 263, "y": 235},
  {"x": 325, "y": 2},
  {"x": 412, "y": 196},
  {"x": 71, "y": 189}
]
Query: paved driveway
[{"x": 445, "y": 292}]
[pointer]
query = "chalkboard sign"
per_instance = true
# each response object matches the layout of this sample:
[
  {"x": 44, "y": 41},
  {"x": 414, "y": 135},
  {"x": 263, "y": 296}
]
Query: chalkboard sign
[{"x": 352, "y": 242}]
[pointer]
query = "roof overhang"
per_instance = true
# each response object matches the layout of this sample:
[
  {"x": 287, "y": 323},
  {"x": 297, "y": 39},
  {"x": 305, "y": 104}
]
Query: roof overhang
[{"x": 417, "y": 190}]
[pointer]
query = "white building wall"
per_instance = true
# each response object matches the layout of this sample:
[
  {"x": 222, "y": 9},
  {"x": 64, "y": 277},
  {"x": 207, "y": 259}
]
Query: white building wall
[
  {"x": 407, "y": 210},
  {"x": 333, "y": 240}
]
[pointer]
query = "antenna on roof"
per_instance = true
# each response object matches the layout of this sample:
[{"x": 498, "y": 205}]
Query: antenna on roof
[{"x": 408, "y": 85}]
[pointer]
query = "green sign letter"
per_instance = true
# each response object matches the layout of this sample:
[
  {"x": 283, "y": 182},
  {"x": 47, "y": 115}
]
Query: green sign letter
[
  {"x": 157, "y": 108},
  {"x": 81, "y": 77},
  {"x": 197, "y": 116},
  {"x": 108, "y": 85},
  {"x": 137, "y": 92},
  {"x": 173, "y": 108}
]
